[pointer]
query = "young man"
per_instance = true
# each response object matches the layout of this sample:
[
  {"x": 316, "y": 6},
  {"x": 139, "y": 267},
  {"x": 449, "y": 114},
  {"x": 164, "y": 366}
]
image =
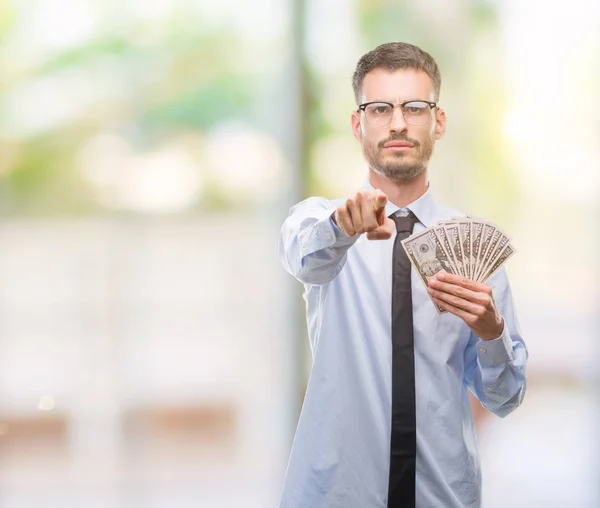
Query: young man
[{"x": 386, "y": 420}]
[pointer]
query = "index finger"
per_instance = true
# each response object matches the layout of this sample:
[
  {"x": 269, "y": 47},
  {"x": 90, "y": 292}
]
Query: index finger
[
  {"x": 380, "y": 202},
  {"x": 459, "y": 280}
]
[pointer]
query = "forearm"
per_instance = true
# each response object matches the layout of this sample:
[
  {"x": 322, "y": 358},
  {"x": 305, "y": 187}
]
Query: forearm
[
  {"x": 311, "y": 247},
  {"x": 496, "y": 369},
  {"x": 499, "y": 379}
]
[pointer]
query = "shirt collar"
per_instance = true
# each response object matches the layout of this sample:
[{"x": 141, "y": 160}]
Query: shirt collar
[{"x": 423, "y": 207}]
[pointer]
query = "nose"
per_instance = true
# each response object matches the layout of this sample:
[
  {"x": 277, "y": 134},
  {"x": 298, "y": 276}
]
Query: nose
[{"x": 398, "y": 123}]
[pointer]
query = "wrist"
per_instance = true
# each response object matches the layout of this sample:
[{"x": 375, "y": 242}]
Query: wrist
[
  {"x": 498, "y": 330},
  {"x": 337, "y": 226}
]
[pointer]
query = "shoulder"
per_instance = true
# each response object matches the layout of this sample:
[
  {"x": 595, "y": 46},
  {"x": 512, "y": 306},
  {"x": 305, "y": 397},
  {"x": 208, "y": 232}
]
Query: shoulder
[
  {"x": 315, "y": 203},
  {"x": 312, "y": 203}
]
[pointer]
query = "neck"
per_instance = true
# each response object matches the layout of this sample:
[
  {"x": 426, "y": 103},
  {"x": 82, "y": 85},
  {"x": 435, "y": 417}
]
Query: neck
[{"x": 400, "y": 193}]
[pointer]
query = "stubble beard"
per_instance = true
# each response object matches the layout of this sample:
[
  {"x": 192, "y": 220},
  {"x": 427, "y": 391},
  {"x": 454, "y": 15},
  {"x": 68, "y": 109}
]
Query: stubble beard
[{"x": 399, "y": 167}]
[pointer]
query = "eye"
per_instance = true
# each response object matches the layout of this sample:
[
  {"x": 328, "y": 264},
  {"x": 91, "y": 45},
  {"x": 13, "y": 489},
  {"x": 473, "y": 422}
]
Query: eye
[
  {"x": 415, "y": 108},
  {"x": 379, "y": 109}
]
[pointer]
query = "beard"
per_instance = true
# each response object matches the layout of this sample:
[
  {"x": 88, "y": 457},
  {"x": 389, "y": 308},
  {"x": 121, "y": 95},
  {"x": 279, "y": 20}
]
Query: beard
[{"x": 399, "y": 166}]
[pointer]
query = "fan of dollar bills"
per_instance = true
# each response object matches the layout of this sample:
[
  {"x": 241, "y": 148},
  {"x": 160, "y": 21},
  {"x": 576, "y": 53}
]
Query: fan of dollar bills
[{"x": 463, "y": 246}]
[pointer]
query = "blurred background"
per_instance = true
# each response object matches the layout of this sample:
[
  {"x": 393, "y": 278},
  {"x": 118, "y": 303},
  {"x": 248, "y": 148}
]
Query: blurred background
[{"x": 153, "y": 352}]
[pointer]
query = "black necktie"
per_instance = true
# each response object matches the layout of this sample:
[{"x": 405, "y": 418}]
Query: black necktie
[{"x": 403, "y": 449}]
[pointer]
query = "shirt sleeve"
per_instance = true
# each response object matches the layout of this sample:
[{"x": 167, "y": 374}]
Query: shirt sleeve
[
  {"x": 495, "y": 369},
  {"x": 311, "y": 247}
]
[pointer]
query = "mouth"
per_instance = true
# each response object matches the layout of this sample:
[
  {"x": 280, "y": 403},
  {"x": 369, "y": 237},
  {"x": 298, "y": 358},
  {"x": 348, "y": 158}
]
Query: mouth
[
  {"x": 395, "y": 147},
  {"x": 398, "y": 146}
]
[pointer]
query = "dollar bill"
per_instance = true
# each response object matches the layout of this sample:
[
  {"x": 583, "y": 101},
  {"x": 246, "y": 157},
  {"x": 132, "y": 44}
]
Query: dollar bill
[
  {"x": 502, "y": 243},
  {"x": 445, "y": 254},
  {"x": 427, "y": 255},
  {"x": 486, "y": 236},
  {"x": 487, "y": 248},
  {"x": 506, "y": 253},
  {"x": 476, "y": 230},
  {"x": 453, "y": 236},
  {"x": 465, "y": 236},
  {"x": 464, "y": 246}
]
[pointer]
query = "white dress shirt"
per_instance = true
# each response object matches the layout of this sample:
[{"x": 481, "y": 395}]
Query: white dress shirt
[{"x": 340, "y": 456}]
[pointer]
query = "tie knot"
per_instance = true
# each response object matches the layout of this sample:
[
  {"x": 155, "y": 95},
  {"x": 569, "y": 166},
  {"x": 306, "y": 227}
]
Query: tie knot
[{"x": 404, "y": 224}]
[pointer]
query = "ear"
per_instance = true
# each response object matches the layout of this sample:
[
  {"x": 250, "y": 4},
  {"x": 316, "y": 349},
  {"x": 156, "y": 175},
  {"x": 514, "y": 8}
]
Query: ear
[
  {"x": 440, "y": 123},
  {"x": 356, "y": 127}
]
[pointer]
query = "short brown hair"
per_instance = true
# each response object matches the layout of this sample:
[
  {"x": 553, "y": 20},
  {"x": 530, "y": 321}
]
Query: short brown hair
[{"x": 393, "y": 56}]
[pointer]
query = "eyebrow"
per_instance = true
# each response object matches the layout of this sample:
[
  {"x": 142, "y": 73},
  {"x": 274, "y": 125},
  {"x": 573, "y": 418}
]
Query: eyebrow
[{"x": 399, "y": 102}]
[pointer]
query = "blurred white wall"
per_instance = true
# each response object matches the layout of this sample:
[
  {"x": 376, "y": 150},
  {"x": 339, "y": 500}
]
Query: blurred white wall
[{"x": 129, "y": 332}]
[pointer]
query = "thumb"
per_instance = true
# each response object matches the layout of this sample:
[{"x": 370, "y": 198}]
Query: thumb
[{"x": 384, "y": 231}]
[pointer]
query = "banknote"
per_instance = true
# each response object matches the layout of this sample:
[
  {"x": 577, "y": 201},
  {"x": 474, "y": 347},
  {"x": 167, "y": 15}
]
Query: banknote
[
  {"x": 465, "y": 235},
  {"x": 486, "y": 236},
  {"x": 490, "y": 250},
  {"x": 506, "y": 253},
  {"x": 486, "y": 239},
  {"x": 453, "y": 236},
  {"x": 470, "y": 247},
  {"x": 477, "y": 228},
  {"x": 428, "y": 256},
  {"x": 446, "y": 253},
  {"x": 466, "y": 246},
  {"x": 502, "y": 243}
]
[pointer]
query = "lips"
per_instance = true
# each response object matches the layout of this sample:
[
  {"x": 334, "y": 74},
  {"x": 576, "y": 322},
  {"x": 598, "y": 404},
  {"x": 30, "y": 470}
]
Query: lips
[{"x": 398, "y": 144}]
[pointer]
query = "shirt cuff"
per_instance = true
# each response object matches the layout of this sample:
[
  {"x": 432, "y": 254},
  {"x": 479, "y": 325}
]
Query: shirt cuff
[
  {"x": 324, "y": 234},
  {"x": 339, "y": 233},
  {"x": 495, "y": 352}
]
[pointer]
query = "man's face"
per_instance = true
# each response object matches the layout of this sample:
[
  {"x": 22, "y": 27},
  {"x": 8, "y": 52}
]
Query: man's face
[{"x": 381, "y": 143}]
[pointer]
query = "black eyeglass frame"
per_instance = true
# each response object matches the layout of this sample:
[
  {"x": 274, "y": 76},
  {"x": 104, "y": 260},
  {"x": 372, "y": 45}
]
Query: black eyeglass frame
[{"x": 363, "y": 106}]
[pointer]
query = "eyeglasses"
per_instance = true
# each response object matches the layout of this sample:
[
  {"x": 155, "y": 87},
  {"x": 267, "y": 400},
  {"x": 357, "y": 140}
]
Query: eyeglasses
[{"x": 414, "y": 112}]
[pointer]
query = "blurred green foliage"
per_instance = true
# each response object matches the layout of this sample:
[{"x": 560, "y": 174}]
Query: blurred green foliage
[
  {"x": 184, "y": 78},
  {"x": 181, "y": 75}
]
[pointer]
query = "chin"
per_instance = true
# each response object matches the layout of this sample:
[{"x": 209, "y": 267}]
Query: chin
[
  {"x": 405, "y": 173},
  {"x": 404, "y": 177}
]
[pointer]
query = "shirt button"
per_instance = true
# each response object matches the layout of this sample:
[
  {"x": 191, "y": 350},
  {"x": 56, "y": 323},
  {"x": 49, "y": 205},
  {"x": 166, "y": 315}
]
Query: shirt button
[
  {"x": 483, "y": 350},
  {"x": 329, "y": 235}
]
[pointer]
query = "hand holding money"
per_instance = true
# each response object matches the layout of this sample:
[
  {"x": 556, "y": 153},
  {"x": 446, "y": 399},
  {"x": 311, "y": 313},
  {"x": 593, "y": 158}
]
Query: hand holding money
[
  {"x": 473, "y": 302},
  {"x": 469, "y": 248},
  {"x": 365, "y": 213}
]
